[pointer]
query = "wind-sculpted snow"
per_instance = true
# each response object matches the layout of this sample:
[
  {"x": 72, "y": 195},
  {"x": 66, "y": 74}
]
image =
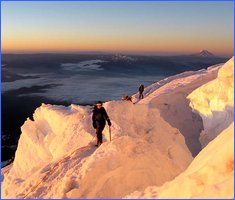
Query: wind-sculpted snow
[
  {"x": 55, "y": 148},
  {"x": 169, "y": 96},
  {"x": 214, "y": 101},
  {"x": 210, "y": 175},
  {"x": 149, "y": 152},
  {"x": 56, "y": 156},
  {"x": 55, "y": 131}
]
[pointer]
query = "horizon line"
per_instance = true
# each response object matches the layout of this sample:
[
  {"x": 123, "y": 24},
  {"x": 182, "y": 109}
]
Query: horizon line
[{"x": 111, "y": 53}]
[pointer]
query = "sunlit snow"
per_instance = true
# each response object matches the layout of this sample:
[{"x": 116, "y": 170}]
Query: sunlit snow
[{"x": 148, "y": 155}]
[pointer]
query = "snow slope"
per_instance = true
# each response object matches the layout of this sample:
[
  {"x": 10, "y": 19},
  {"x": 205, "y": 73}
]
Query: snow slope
[
  {"x": 214, "y": 102},
  {"x": 169, "y": 96},
  {"x": 150, "y": 146},
  {"x": 57, "y": 139},
  {"x": 210, "y": 175},
  {"x": 54, "y": 133},
  {"x": 150, "y": 151}
]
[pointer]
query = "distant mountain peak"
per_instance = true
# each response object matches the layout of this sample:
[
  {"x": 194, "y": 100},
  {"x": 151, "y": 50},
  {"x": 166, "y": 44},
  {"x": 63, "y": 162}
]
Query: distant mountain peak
[
  {"x": 204, "y": 53},
  {"x": 120, "y": 57}
]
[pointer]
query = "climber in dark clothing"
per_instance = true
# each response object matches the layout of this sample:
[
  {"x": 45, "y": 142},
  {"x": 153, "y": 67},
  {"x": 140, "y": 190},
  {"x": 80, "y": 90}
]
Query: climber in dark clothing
[
  {"x": 99, "y": 119},
  {"x": 141, "y": 90}
]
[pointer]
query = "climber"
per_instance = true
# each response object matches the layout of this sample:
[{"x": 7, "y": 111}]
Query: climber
[
  {"x": 141, "y": 90},
  {"x": 99, "y": 119},
  {"x": 127, "y": 98}
]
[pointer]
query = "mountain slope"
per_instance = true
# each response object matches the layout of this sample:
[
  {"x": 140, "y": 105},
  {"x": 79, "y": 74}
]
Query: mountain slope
[
  {"x": 56, "y": 157},
  {"x": 53, "y": 151},
  {"x": 169, "y": 96},
  {"x": 214, "y": 102},
  {"x": 210, "y": 175},
  {"x": 204, "y": 53}
]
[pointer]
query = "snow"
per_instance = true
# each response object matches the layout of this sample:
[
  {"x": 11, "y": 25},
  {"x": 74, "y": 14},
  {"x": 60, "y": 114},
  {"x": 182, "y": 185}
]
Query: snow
[
  {"x": 204, "y": 53},
  {"x": 169, "y": 84},
  {"x": 54, "y": 132},
  {"x": 210, "y": 175},
  {"x": 169, "y": 97},
  {"x": 214, "y": 102},
  {"x": 134, "y": 164},
  {"x": 150, "y": 154},
  {"x": 48, "y": 140}
]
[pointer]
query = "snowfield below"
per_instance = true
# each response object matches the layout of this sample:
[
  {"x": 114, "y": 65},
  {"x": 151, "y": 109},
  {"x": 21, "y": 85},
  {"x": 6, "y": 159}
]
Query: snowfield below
[{"x": 155, "y": 149}]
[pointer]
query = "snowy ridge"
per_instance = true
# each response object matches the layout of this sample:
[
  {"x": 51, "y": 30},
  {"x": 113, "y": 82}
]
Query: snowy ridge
[
  {"x": 150, "y": 146},
  {"x": 214, "y": 101},
  {"x": 129, "y": 151},
  {"x": 169, "y": 84},
  {"x": 211, "y": 174},
  {"x": 169, "y": 96}
]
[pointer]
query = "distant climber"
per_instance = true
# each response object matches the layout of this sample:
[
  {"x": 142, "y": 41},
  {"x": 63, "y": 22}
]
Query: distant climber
[
  {"x": 141, "y": 90},
  {"x": 99, "y": 118},
  {"x": 127, "y": 98}
]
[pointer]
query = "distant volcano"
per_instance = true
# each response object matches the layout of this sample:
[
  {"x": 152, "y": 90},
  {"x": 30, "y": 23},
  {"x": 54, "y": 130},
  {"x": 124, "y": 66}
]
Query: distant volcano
[{"x": 204, "y": 53}]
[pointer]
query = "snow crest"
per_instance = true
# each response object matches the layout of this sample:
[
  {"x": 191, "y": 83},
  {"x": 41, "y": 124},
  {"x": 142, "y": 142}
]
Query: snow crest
[
  {"x": 214, "y": 101},
  {"x": 55, "y": 131},
  {"x": 55, "y": 150}
]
